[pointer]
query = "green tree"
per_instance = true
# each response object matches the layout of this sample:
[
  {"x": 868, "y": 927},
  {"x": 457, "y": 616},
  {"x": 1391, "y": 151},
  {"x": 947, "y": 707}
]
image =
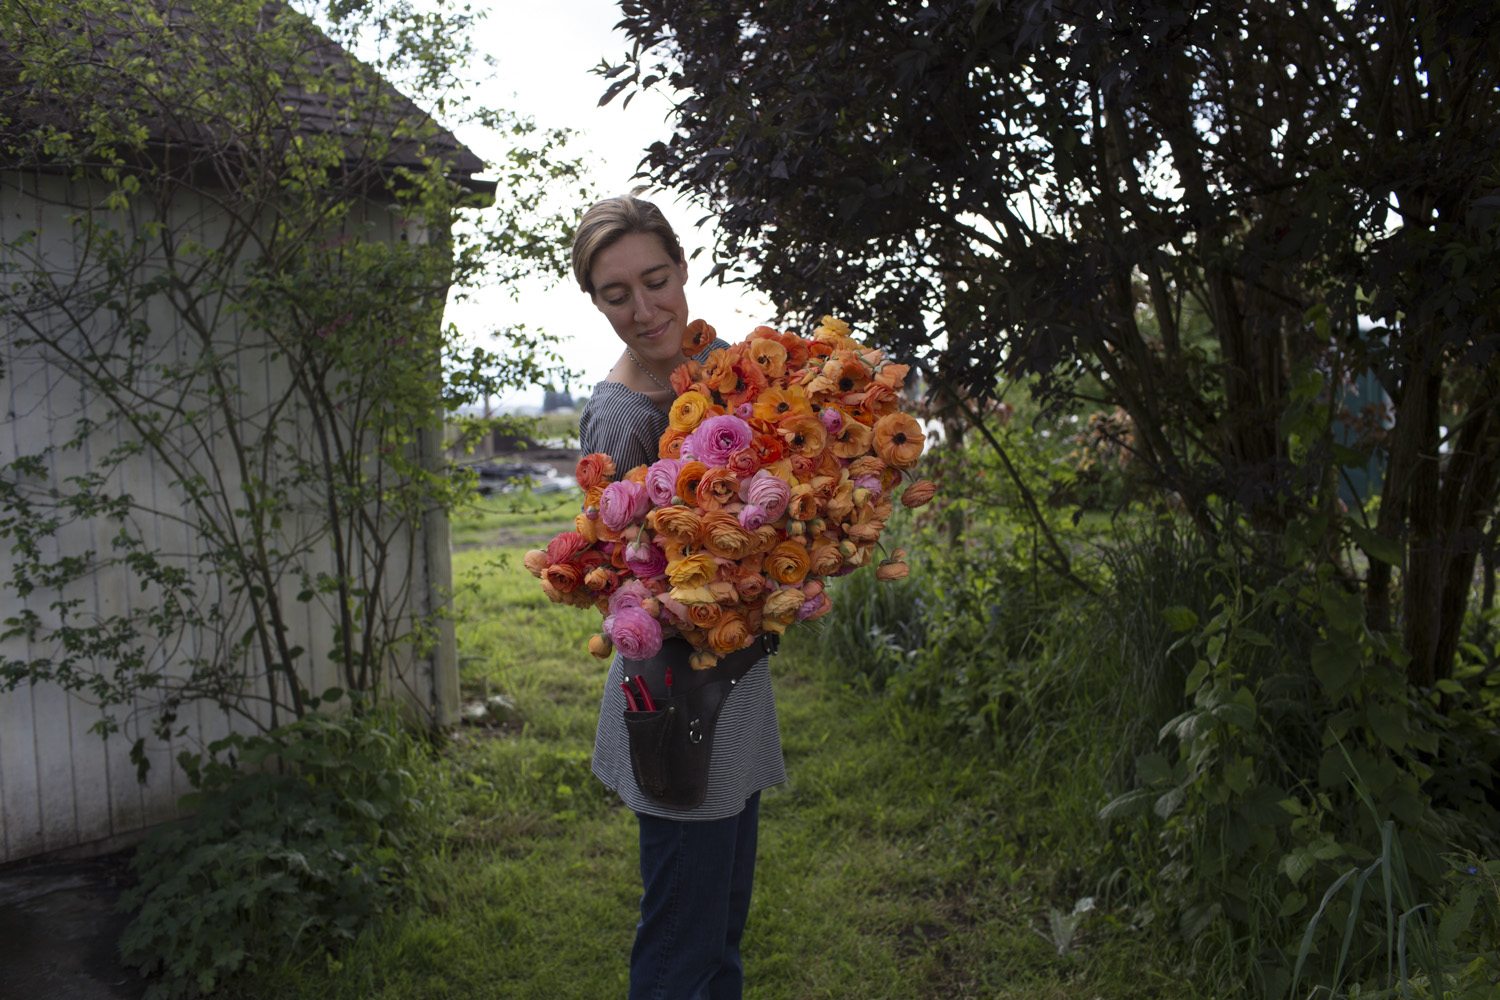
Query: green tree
[
  {"x": 243, "y": 245},
  {"x": 1217, "y": 216}
]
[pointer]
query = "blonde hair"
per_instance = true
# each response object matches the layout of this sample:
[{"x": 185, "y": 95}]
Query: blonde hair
[{"x": 607, "y": 221}]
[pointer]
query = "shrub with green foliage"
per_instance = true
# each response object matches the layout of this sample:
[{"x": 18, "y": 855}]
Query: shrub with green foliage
[
  {"x": 301, "y": 837},
  {"x": 1277, "y": 790}
]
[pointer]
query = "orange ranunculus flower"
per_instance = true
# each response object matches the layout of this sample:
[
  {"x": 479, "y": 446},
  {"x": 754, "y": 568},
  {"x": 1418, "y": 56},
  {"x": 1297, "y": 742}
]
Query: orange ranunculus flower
[
  {"x": 797, "y": 352},
  {"x": 673, "y": 548},
  {"x": 777, "y": 404},
  {"x": 804, "y": 435},
  {"x": 843, "y": 373},
  {"x": 804, "y": 467},
  {"x": 564, "y": 577},
  {"x": 717, "y": 488},
  {"x": 679, "y": 524},
  {"x": 688, "y": 411},
  {"x": 824, "y": 557},
  {"x": 720, "y": 374},
  {"x": 892, "y": 375},
  {"x": 684, "y": 375},
  {"x": 704, "y": 615},
  {"x": 766, "y": 448},
  {"x": 669, "y": 445},
  {"x": 918, "y": 493},
  {"x": 592, "y": 496},
  {"x": 770, "y": 354},
  {"x": 692, "y": 571},
  {"x": 636, "y": 475},
  {"x": 700, "y": 659},
  {"x": 788, "y": 562},
  {"x": 536, "y": 562},
  {"x": 584, "y": 525},
  {"x": 830, "y": 464},
  {"x": 803, "y": 503},
  {"x": 899, "y": 439},
  {"x": 729, "y": 634},
  {"x": 722, "y": 535},
  {"x": 782, "y": 469},
  {"x": 594, "y": 470},
  {"x": 867, "y": 465},
  {"x": 687, "y": 480},
  {"x": 697, "y": 336},
  {"x": 782, "y": 604},
  {"x": 841, "y": 504},
  {"x": 852, "y": 440},
  {"x": 724, "y": 592},
  {"x": 892, "y": 570},
  {"x": 876, "y": 400}
]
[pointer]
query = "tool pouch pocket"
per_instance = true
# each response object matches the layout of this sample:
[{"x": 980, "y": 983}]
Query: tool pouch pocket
[{"x": 671, "y": 746}]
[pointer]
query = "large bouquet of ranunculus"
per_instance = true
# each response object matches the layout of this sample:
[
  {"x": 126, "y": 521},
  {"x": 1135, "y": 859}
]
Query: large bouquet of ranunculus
[{"x": 779, "y": 469}]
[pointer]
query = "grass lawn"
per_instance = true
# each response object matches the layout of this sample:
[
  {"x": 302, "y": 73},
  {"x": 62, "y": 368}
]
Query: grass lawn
[{"x": 891, "y": 866}]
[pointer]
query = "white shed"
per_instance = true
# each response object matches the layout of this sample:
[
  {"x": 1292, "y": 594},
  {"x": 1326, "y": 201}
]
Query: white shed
[{"x": 201, "y": 447}]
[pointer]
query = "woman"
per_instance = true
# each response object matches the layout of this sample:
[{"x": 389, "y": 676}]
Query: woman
[{"x": 697, "y": 864}]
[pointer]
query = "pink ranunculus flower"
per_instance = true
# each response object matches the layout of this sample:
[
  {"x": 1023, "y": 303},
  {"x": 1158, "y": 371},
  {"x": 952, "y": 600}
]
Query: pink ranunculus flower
[
  {"x": 871, "y": 483},
  {"x": 814, "y": 606},
  {"x": 630, "y": 594},
  {"x": 636, "y": 634},
  {"x": 833, "y": 419},
  {"x": 645, "y": 559},
  {"x": 766, "y": 491},
  {"x": 622, "y": 504},
  {"x": 716, "y": 439},
  {"x": 661, "y": 481},
  {"x": 752, "y": 517},
  {"x": 744, "y": 410}
]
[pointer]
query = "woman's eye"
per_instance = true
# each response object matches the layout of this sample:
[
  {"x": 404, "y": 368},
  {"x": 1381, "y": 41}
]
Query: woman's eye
[
  {"x": 614, "y": 302},
  {"x": 654, "y": 285}
]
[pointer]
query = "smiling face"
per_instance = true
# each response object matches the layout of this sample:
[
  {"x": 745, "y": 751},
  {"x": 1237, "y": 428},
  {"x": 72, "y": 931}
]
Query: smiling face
[{"x": 640, "y": 289}]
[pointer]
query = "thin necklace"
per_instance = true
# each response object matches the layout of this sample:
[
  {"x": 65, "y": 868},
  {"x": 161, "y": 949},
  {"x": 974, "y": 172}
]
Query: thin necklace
[{"x": 659, "y": 383}]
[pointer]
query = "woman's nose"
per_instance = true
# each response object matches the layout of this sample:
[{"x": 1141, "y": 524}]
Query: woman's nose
[{"x": 643, "y": 307}]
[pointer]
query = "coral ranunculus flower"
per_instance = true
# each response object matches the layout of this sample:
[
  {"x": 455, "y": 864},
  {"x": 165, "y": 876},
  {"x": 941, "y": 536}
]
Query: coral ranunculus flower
[
  {"x": 717, "y": 489},
  {"x": 696, "y": 337},
  {"x": 594, "y": 470},
  {"x": 918, "y": 493},
  {"x": 688, "y": 411},
  {"x": 899, "y": 439}
]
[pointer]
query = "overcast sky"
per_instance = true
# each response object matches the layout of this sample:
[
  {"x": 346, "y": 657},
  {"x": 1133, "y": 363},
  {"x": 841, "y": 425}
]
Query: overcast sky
[{"x": 544, "y": 50}]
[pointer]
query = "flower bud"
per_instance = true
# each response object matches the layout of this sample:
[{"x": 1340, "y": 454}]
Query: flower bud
[
  {"x": 600, "y": 645},
  {"x": 918, "y": 493}
]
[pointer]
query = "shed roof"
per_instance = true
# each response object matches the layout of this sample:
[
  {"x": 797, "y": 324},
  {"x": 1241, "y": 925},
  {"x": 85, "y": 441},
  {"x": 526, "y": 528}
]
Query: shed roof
[{"x": 322, "y": 92}]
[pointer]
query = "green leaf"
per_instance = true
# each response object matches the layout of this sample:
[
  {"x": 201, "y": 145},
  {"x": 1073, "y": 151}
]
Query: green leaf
[
  {"x": 1179, "y": 618},
  {"x": 1334, "y": 665},
  {"x": 1376, "y": 546}
]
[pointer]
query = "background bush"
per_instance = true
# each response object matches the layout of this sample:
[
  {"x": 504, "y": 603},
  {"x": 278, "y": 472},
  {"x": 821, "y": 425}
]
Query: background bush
[{"x": 300, "y": 839}]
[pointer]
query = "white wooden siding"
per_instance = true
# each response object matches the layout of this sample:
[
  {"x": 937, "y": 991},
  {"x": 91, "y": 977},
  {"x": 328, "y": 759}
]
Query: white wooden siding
[{"x": 62, "y": 786}]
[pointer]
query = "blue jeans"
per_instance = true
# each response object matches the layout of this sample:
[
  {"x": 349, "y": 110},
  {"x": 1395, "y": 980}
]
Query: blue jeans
[{"x": 696, "y": 895}]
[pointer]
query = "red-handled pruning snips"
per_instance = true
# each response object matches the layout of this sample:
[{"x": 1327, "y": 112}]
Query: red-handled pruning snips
[{"x": 644, "y": 703}]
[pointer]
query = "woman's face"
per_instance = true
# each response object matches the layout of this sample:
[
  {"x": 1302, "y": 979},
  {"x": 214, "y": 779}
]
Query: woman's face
[{"x": 640, "y": 289}]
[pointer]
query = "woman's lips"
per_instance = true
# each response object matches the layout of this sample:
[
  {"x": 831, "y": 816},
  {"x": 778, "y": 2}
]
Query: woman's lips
[{"x": 656, "y": 331}]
